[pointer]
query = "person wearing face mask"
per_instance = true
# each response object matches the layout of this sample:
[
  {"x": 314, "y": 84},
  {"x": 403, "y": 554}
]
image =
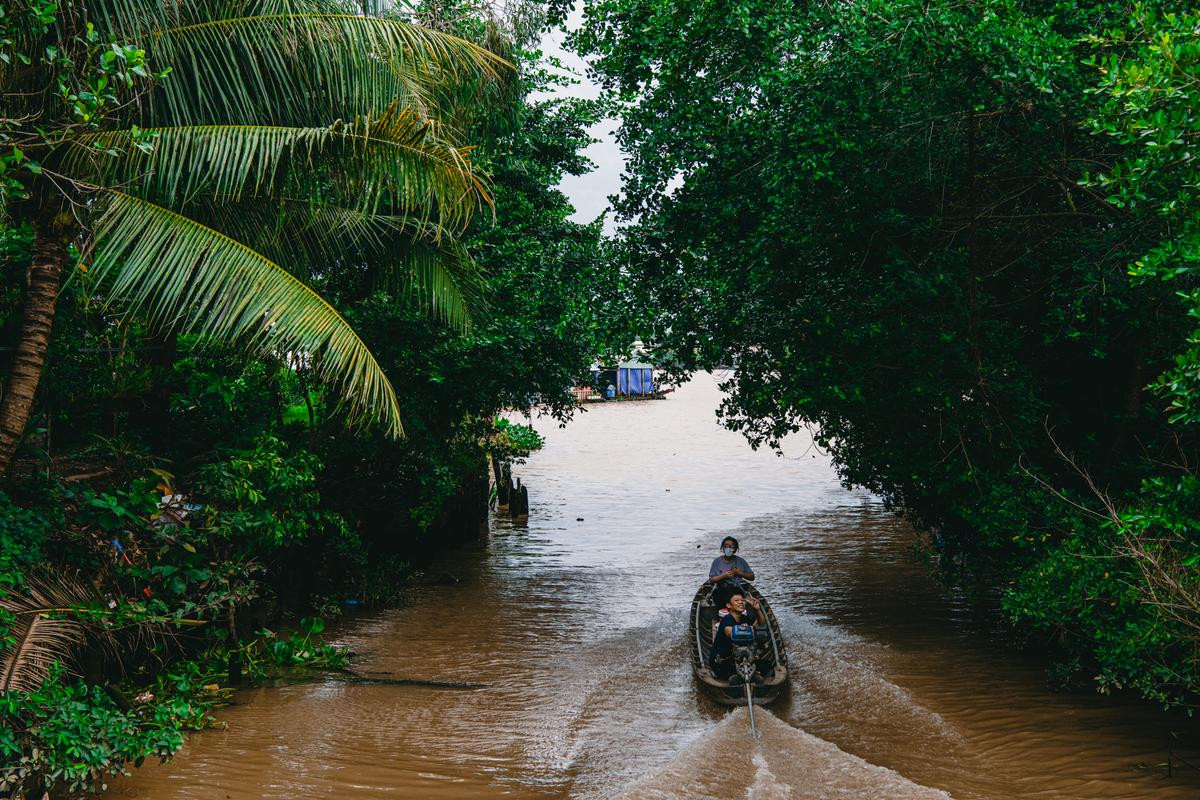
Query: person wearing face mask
[{"x": 728, "y": 570}]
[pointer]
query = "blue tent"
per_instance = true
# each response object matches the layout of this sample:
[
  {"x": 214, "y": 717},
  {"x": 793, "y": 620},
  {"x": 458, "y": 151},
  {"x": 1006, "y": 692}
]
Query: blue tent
[{"x": 635, "y": 378}]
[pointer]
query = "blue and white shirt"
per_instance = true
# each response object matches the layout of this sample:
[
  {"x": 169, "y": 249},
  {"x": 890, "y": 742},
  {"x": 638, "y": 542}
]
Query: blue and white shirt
[{"x": 721, "y": 565}]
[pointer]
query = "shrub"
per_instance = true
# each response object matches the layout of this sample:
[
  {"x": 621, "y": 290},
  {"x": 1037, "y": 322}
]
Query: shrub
[{"x": 71, "y": 737}]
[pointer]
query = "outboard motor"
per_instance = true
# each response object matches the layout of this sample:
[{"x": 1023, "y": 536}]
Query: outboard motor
[
  {"x": 743, "y": 634},
  {"x": 743, "y": 639},
  {"x": 745, "y": 658},
  {"x": 745, "y": 649}
]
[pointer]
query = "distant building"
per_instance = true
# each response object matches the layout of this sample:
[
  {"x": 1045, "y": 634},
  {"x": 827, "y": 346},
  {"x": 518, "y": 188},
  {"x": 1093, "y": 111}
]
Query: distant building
[{"x": 633, "y": 378}]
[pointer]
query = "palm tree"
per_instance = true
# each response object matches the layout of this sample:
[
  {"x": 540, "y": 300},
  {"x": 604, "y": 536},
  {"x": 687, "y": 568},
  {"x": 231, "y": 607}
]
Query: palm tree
[{"x": 289, "y": 139}]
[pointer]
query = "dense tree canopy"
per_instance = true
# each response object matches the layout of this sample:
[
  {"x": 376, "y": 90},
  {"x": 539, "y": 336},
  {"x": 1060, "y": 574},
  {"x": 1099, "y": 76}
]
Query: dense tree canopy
[
  {"x": 187, "y": 481},
  {"x": 274, "y": 139},
  {"x": 927, "y": 231}
]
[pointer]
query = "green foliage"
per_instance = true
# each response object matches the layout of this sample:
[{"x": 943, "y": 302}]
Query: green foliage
[
  {"x": 911, "y": 226},
  {"x": 69, "y": 736},
  {"x": 198, "y": 494},
  {"x": 303, "y": 647},
  {"x": 178, "y": 566},
  {"x": 1127, "y": 587},
  {"x": 1150, "y": 102},
  {"x": 14, "y": 260},
  {"x": 334, "y": 134},
  {"x": 119, "y": 510},
  {"x": 265, "y": 498},
  {"x": 23, "y": 535},
  {"x": 514, "y": 440},
  {"x": 219, "y": 397},
  {"x": 88, "y": 75},
  {"x": 555, "y": 306}
]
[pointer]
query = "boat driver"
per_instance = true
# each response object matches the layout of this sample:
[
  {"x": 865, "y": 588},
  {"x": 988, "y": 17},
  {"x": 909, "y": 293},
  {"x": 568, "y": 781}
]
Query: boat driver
[
  {"x": 741, "y": 608},
  {"x": 728, "y": 571}
]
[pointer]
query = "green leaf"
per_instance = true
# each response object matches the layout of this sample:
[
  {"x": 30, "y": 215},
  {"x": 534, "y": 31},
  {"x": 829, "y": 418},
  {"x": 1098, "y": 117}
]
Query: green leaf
[{"x": 181, "y": 272}]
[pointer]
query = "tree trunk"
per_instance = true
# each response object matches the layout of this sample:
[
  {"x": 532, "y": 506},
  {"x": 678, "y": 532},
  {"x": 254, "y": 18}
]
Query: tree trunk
[{"x": 41, "y": 292}]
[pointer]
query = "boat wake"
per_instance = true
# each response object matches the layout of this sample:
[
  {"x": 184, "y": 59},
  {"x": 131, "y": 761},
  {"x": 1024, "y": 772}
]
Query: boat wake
[{"x": 784, "y": 763}]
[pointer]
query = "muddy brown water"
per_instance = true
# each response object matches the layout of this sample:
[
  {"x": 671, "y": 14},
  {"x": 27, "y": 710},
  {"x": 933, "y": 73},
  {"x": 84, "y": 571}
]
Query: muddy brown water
[{"x": 576, "y": 630}]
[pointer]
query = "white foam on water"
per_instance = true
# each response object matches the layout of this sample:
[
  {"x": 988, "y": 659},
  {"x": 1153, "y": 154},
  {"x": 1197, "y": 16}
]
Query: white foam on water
[
  {"x": 766, "y": 786},
  {"x": 785, "y": 763}
]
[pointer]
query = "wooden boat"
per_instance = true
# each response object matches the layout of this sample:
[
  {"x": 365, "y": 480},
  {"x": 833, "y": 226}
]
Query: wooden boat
[{"x": 770, "y": 659}]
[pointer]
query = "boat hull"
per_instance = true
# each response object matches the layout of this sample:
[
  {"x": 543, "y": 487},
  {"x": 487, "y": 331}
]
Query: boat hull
[{"x": 773, "y": 668}]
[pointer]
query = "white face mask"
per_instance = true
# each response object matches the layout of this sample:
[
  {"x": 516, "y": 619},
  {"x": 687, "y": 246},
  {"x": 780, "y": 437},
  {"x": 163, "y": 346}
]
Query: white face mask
[{"x": 728, "y": 551}]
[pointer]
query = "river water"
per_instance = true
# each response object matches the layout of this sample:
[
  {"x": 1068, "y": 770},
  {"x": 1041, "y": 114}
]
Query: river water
[{"x": 569, "y": 636}]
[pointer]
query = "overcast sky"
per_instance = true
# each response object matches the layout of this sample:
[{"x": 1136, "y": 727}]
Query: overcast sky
[{"x": 589, "y": 193}]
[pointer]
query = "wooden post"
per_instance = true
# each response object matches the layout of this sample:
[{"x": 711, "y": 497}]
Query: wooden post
[
  {"x": 504, "y": 489},
  {"x": 520, "y": 503}
]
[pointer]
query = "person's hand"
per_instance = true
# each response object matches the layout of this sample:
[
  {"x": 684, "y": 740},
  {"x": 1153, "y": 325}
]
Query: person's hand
[
  {"x": 752, "y": 600},
  {"x": 727, "y": 574}
]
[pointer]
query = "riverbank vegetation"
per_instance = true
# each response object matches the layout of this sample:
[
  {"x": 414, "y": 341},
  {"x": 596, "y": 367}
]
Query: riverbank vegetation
[
  {"x": 269, "y": 273},
  {"x": 959, "y": 242}
]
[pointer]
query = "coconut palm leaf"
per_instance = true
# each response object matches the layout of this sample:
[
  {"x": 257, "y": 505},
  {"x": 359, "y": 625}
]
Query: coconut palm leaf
[
  {"x": 395, "y": 159},
  {"x": 402, "y": 255},
  {"x": 55, "y": 614},
  {"x": 444, "y": 279},
  {"x": 41, "y": 633},
  {"x": 137, "y": 18},
  {"x": 306, "y": 69},
  {"x": 182, "y": 273}
]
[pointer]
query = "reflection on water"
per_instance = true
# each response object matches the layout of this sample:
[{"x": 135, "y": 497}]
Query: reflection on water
[{"x": 576, "y": 630}]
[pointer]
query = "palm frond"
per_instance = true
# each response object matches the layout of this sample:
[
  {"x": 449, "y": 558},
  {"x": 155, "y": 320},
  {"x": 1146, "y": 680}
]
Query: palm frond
[
  {"x": 42, "y": 632},
  {"x": 180, "y": 272},
  {"x": 135, "y": 19},
  {"x": 401, "y": 255},
  {"x": 443, "y": 279},
  {"x": 124, "y": 18},
  {"x": 396, "y": 159},
  {"x": 306, "y": 69}
]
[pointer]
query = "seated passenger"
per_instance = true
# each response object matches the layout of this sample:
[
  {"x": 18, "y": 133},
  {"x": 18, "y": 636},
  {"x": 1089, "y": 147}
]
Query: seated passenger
[
  {"x": 728, "y": 571},
  {"x": 741, "y": 609}
]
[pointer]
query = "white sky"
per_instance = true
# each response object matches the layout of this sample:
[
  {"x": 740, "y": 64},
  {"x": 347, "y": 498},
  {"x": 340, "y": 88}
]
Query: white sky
[{"x": 588, "y": 193}]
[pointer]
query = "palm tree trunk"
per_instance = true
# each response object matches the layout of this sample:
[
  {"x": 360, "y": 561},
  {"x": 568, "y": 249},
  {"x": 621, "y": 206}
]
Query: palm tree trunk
[{"x": 41, "y": 292}]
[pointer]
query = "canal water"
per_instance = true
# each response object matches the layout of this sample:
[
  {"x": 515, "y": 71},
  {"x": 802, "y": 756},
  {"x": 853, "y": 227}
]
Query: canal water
[{"x": 569, "y": 635}]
